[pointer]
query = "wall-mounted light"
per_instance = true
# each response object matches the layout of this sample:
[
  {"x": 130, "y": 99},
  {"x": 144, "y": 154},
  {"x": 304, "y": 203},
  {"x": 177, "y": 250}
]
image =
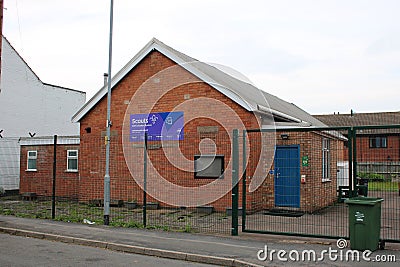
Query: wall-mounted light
[{"x": 284, "y": 136}]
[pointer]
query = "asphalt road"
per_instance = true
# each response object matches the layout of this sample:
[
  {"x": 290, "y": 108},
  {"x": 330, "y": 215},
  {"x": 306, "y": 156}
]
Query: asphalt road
[{"x": 22, "y": 251}]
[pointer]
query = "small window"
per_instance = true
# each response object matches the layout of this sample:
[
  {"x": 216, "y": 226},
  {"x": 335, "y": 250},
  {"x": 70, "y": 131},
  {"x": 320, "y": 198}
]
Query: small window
[
  {"x": 326, "y": 159},
  {"x": 32, "y": 160},
  {"x": 72, "y": 160},
  {"x": 208, "y": 166},
  {"x": 378, "y": 142}
]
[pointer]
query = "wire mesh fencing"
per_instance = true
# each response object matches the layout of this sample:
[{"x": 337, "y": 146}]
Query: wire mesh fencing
[
  {"x": 9, "y": 164},
  {"x": 187, "y": 182},
  {"x": 293, "y": 182},
  {"x": 313, "y": 172},
  {"x": 378, "y": 173},
  {"x": 300, "y": 190}
]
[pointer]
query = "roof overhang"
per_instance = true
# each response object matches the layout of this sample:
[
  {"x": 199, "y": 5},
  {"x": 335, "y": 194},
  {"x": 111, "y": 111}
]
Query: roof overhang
[
  {"x": 49, "y": 140},
  {"x": 154, "y": 44}
]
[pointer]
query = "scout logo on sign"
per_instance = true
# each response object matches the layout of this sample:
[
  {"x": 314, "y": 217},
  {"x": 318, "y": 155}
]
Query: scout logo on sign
[{"x": 165, "y": 126}]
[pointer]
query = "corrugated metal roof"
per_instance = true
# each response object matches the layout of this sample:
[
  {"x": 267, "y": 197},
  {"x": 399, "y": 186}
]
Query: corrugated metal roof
[{"x": 247, "y": 95}]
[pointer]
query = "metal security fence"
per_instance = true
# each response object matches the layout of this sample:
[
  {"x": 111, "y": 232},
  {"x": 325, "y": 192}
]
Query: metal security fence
[
  {"x": 283, "y": 181},
  {"x": 312, "y": 172},
  {"x": 164, "y": 185},
  {"x": 9, "y": 164},
  {"x": 377, "y": 161},
  {"x": 302, "y": 185}
]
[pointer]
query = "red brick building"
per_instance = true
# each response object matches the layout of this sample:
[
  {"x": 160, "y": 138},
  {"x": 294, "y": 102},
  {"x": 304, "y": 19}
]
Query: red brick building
[
  {"x": 36, "y": 172},
  {"x": 160, "y": 81},
  {"x": 213, "y": 103},
  {"x": 378, "y": 150}
]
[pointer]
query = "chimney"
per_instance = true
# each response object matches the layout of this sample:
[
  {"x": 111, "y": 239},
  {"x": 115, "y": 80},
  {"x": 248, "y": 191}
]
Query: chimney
[{"x": 105, "y": 79}]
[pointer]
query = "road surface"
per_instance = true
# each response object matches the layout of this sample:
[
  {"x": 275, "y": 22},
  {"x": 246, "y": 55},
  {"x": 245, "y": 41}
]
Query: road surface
[{"x": 22, "y": 251}]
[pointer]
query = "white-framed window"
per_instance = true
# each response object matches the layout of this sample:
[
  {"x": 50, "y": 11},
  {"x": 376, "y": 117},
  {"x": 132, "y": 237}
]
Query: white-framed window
[
  {"x": 72, "y": 160},
  {"x": 378, "y": 142},
  {"x": 32, "y": 161},
  {"x": 326, "y": 160}
]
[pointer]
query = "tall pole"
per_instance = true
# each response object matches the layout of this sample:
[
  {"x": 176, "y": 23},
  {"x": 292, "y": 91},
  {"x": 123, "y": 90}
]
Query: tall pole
[
  {"x": 108, "y": 125},
  {"x": 235, "y": 182},
  {"x": 53, "y": 195}
]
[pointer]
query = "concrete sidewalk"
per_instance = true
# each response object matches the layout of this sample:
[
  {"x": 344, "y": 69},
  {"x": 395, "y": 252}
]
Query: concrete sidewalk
[{"x": 216, "y": 250}]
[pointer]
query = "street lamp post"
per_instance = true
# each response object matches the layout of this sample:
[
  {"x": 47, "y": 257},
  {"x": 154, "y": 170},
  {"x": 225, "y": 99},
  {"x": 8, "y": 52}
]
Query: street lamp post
[{"x": 108, "y": 125}]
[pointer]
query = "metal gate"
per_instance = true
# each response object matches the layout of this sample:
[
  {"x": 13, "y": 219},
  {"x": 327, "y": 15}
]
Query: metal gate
[{"x": 307, "y": 174}]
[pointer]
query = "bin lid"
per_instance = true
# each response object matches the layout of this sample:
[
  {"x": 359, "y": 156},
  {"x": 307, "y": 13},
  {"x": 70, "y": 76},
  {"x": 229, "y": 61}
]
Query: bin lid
[{"x": 363, "y": 200}]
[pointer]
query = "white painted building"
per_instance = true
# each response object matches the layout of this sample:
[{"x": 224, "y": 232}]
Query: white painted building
[{"x": 29, "y": 107}]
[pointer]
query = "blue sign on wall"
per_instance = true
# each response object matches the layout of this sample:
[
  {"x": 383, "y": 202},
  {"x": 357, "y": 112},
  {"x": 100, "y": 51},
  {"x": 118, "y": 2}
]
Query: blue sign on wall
[{"x": 166, "y": 126}]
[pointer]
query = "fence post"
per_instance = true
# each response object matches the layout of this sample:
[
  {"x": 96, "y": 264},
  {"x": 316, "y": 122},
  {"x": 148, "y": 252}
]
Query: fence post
[
  {"x": 244, "y": 186},
  {"x": 145, "y": 181},
  {"x": 53, "y": 196},
  {"x": 235, "y": 180},
  {"x": 350, "y": 155},
  {"x": 355, "y": 159}
]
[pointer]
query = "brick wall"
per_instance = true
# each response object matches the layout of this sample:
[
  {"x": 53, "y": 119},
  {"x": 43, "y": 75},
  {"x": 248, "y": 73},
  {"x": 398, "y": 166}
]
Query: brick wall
[
  {"x": 187, "y": 97},
  {"x": 314, "y": 193},
  {"x": 41, "y": 180},
  {"x": 219, "y": 112},
  {"x": 367, "y": 154}
]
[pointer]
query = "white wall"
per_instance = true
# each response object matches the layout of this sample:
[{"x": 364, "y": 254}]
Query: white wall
[{"x": 29, "y": 105}]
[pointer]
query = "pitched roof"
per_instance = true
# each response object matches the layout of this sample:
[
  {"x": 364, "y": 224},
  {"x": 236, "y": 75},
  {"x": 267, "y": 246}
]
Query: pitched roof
[
  {"x": 364, "y": 119},
  {"x": 245, "y": 94},
  {"x": 361, "y": 119}
]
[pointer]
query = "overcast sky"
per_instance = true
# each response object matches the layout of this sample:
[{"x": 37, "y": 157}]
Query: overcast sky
[{"x": 324, "y": 55}]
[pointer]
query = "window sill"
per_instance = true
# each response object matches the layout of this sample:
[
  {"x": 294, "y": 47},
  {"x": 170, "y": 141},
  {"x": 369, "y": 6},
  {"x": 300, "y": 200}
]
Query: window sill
[
  {"x": 31, "y": 170},
  {"x": 71, "y": 171},
  {"x": 326, "y": 180}
]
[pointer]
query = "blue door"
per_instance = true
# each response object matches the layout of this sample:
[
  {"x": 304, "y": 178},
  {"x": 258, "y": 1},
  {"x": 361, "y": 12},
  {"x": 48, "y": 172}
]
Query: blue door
[{"x": 287, "y": 176}]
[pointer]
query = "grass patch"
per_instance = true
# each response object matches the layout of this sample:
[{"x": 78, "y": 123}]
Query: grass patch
[
  {"x": 383, "y": 186},
  {"x": 126, "y": 224},
  {"x": 188, "y": 228},
  {"x": 158, "y": 227},
  {"x": 76, "y": 212}
]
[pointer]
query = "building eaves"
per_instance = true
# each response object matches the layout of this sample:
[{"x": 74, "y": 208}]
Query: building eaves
[
  {"x": 49, "y": 140},
  {"x": 64, "y": 88}
]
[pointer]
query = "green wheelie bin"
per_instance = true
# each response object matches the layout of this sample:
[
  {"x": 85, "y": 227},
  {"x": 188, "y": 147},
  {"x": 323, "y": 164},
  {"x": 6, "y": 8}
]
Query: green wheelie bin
[{"x": 364, "y": 222}]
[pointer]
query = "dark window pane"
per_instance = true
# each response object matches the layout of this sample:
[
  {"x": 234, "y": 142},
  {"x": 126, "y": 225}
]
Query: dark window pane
[{"x": 208, "y": 166}]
